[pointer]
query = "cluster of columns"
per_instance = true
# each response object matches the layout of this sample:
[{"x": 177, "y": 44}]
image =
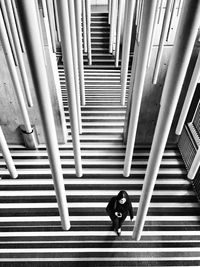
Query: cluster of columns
[{"x": 180, "y": 57}]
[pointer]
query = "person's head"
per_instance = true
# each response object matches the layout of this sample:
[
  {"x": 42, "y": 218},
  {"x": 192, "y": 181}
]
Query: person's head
[{"x": 122, "y": 197}]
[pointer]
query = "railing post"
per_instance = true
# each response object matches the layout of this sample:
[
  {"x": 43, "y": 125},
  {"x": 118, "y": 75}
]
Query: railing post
[{"x": 30, "y": 27}]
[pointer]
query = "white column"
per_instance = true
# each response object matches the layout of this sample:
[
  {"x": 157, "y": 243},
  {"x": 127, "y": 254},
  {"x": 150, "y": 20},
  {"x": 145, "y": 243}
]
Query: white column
[
  {"x": 9, "y": 34},
  {"x": 153, "y": 33},
  {"x": 75, "y": 59},
  {"x": 112, "y": 25},
  {"x": 84, "y": 26},
  {"x": 30, "y": 27},
  {"x": 88, "y": 19},
  {"x": 7, "y": 156},
  {"x": 78, "y": 8},
  {"x": 189, "y": 96},
  {"x": 171, "y": 18},
  {"x": 180, "y": 57},
  {"x": 54, "y": 67},
  {"x": 19, "y": 52},
  {"x": 195, "y": 166},
  {"x": 162, "y": 41},
  {"x": 63, "y": 14},
  {"x": 14, "y": 75},
  {"x": 128, "y": 25},
  {"x": 109, "y": 10},
  {"x": 49, "y": 4},
  {"x": 119, "y": 22},
  {"x": 144, "y": 45}
]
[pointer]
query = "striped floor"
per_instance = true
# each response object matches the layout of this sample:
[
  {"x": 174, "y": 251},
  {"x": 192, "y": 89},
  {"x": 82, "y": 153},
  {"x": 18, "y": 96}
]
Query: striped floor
[{"x": 30, "y": 227}]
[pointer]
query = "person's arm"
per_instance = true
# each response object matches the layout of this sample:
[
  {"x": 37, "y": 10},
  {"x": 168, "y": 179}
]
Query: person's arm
[
  {"x": 130, "y": 210},
  {"x": 110, "y": 206}
]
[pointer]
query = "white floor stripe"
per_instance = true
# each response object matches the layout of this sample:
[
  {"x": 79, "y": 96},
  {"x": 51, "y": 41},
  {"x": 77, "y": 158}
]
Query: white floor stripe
[
  {"x": 101, "y": 250},
  {"x": 100, "y": 233},
  {"x": 97, "y": 218},
  {"x": 46, "y": 205},
  {"x": 93, "y": 193}
]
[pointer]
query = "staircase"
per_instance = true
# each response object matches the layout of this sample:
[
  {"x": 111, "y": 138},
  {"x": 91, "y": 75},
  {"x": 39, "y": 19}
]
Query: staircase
[{"x": 30, "y": 229}]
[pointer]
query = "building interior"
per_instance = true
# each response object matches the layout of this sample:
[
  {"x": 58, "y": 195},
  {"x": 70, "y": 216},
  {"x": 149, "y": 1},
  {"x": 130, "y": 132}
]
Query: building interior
[{"x": 99, "y": 96}]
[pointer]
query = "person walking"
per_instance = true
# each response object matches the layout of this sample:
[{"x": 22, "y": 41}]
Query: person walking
[{"x": 118, "y": 208}]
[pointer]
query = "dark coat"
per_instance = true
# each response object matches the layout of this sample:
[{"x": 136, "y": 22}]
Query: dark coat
[{"x": 125, "y": 209}]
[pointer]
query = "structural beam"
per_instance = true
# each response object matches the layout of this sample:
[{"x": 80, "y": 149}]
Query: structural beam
[
  {"x": 18, "y": 50},
  {"x": 7, "y": 155},
  {"x": 75, "y": 59},
  {"x": 128, "y": 25},
  {"x": 189, "y": 96},
  {"x": 140, "y": 73},
  {"x": 30, "y": 27},
  {"x": 78, "y": 8},
  {"x": 88, "y": 19},
  {"x": 162, "y": 41},
  {"x": 180, "y": 57},
  {"x": 63, "y": 14}
]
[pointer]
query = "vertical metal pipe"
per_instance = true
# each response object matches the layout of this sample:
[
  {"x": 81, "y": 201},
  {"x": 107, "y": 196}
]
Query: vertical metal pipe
[
  {"x": 195, "y": 166},
  {"x": 56, "y": 20},
  {"x": 170, "y": 21},
  {"x": 189, "y": 96},
  {"x": 7, "y": 155},
  {"x": 109, "y": 10},
  {"x": 126, "y": 47},
  {"x": 78, "y": 8},
  {"x": 162, "y": 41},
  {"x": 88, "y": 19},
  {"x": 153, "y": 33},
  {"x": 19, "y": 52},
  {"x": 49, "y": 4},
  {"x": 7, "y": 26},
  {"x": 54, "y": 67},
  {"x": 119, "y": 22},
  {"x": 63, "y": 14},
  {"x": 160, "y": 11},
  {"x": 144, "y": 45},
  {"x": 180, "y": 57},
  {"x": 18, "y": 26},
  {"x": 112, "y": 26},
  {"x": 75, "y": 59},
  {"x": 14, "y": 75},
  {"x": 31, "y": 31},
  {"x": 84, "y": 26}
]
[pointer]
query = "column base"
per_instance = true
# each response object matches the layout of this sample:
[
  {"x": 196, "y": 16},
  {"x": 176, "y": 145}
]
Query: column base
[{"x": 30, "y": 139}]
